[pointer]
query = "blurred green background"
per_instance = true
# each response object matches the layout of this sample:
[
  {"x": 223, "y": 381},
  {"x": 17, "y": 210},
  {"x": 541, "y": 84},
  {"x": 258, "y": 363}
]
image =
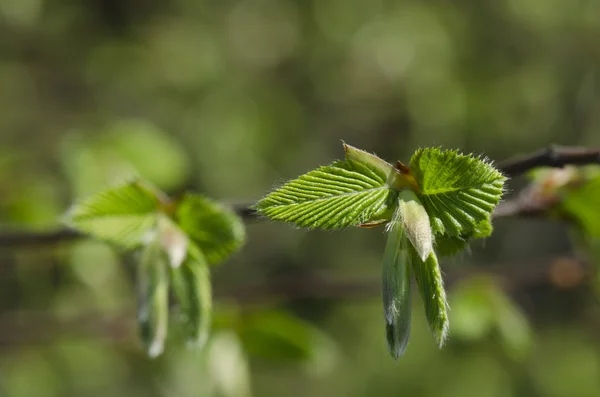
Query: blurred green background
[{"x": 230, "y": 98}]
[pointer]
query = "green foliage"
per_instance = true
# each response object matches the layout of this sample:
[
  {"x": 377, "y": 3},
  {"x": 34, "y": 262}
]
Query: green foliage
[
  {"x": 345, "y": 193},
  {"x": 415, "y": 223},
  {"x": 122, "y": 215},
  {"x": 173, "y": 240},
  {"x": 185, "y": 237},
  {"x": 581, "y": 203},
  {"x": 215, "y": 230},
  {"x": 396, "y": 289},
  {"x": 360, "y": 156},
  {"x": 458, "y": 191},
  {"x": 449, "y": 245},
  {"x": 153, "y": 296},
  {"x": 480, "y": 309},
  {"x": 431, "y": 287},
  {"x": 193, "y": 290},
  {"x": 444, "y": 200}
]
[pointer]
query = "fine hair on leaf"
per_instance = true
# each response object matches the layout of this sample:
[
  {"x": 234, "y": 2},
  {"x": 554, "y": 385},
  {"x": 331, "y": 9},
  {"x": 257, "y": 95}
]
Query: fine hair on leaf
[
  {"x": 431, "y": 287},
  {"x": 345, "y": 193}
]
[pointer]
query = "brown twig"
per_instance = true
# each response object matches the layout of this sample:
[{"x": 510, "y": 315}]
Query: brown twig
[
  {"x": 18, "y": 238},
  {"x": 553, "y": 156},
  {"x": 525, "y": 207},
  {"x": 28, "y": 238}
]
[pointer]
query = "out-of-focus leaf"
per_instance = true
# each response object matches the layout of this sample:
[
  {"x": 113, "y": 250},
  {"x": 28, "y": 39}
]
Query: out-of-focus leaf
[
  {"x": 396, "y": 289},
  {"x": 228, "y": 365},
  {"x": 480, "y": 307},
  {"x": 472, "y": 314},
  {"x": 216, "y": 230},
  {"x": 345, "y": 193},
  {"x": 154, "y": 154},
  {"x": 122, "y": 215},
  {"x": 192, "y": 286},
  {"x": 431, "y": 287},
  {"x": 279, "y": 336},
  {"x": 173, "y": 240},
  {"x": 458, "y": 191},
  {"x": 512, "y": 325},
  {"x": 582, "y": 204},
  {"x": 153, "y": 297},
  {"x": 90, "y": 165},
  {"x": 126, "y": 149}
]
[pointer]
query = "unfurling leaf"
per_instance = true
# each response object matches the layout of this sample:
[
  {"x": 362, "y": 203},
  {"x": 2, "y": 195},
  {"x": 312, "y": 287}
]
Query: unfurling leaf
[
  {"x": 123, "y": 215},
  {"x": 415, "y": 223},
  {"x": 192, "y": 287},
  {"x": 345, "y": 193},
  {"x": 214, "y": 229},
  {"x": 431, "y": 287},
  {"x": 369, "y": 159},
  {"x": 173, "y": 240},
  {"x": 396, "y": 287},
  {"x": 153, "y": 298},
  {"x": 449, "y": 245},
  {"x": 458, "y": 191},
  {"x": 395, "y": 177}
]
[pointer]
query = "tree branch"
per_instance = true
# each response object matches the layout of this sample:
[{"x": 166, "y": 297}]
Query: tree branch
[
  {"x": 553, "y": 156},
  {"x": 28, "y": 238},
  {"x": 21, "y": 238}
]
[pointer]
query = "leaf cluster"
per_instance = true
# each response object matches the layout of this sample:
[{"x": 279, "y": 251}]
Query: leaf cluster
[
  {"x": 435, "y": 206},
  {"x": 175, "y": 241}
]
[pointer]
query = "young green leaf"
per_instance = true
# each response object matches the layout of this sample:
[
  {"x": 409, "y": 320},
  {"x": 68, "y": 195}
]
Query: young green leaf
[
  {"x": 192, "y": 287},
  {"x": 415, "y": 223},
  {"x": 458, "y": 191},
  {"x": 449, "y": 245},
  {"x": 395, "y": 177},
  {"x": 153, "y": 297},
  {"x": 446, "y": 245},
  {"x": 396, "y": 287},
  {"x": 360, "y": 156},
  {"x": 122, "y": 215},
  {"x": 345, "y": 193},
  {"x": 431, "y": 287},
  {"x": 582, "y": 204},
  {"x": 173, "y": 240},
  {"x": 214, "y": 229}
]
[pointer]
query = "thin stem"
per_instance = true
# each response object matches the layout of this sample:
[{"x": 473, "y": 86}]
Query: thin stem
[{"x": 553, "y": 156}]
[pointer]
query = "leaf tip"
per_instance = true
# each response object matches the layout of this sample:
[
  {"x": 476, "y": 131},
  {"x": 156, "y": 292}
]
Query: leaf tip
[
  {"x": 156, "y": 349},
  {"x": 395, "y": 348},
  {"x": 441, "y": 334}
]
